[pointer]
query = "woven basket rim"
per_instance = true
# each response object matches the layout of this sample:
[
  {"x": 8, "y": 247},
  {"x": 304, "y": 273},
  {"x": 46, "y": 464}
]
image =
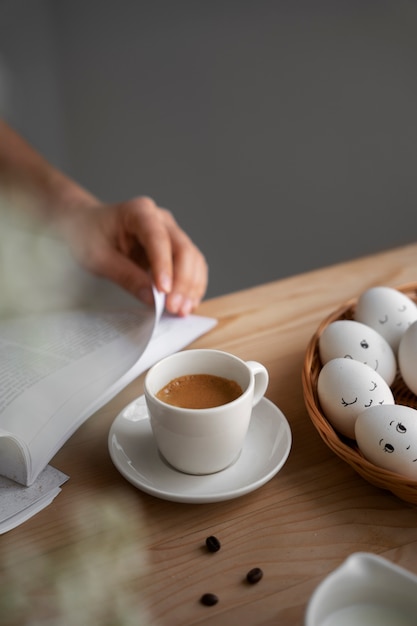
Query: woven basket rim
[{"x": 402, "y": 487}]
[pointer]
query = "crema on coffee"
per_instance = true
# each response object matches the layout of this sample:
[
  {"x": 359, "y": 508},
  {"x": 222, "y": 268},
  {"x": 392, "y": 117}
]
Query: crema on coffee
[{"x": 199, "y": 391}]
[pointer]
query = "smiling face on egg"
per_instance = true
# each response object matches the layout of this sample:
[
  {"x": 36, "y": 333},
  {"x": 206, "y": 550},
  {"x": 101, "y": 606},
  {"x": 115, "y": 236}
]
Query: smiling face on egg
[
  {"x": 354, "y": 340},
  {"x": 388, "y": 311},
  {"x": 347, "y": 387},
  {"x": 387, "y": 436}
]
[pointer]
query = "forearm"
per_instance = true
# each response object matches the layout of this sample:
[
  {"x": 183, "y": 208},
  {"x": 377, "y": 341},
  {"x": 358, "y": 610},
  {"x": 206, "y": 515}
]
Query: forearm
[{"x": 28, "y": 183}]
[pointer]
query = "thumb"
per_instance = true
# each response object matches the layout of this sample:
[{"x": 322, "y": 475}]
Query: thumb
[{"x": 128, "y": 275}]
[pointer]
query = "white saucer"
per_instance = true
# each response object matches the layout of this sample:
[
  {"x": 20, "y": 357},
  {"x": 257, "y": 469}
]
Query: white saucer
[{"x": 134, "y": 453}]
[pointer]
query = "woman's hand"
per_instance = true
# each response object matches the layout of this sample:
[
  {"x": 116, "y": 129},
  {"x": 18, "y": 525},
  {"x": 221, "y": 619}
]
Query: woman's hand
[{"x": 135, "y": 243}]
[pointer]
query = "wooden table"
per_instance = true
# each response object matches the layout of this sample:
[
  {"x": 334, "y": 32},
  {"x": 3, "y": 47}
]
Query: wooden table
[{"x": 103, "y": 543}]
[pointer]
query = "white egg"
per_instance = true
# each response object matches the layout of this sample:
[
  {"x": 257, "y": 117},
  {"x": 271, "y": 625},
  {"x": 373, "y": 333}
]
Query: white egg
[
  {"x": 346, "y": 388},
  {"x": 388, "y": 311},
  {"x": 387, "y": 436},
  {"x": 354, "y": 340},
  {"x": 407, "y": 357}
]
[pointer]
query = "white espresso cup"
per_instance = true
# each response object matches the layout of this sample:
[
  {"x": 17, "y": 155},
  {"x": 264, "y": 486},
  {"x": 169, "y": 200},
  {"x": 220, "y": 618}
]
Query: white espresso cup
[{"x": 207, "y": 440}]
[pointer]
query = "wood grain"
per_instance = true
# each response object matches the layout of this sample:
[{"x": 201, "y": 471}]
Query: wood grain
[{"x": 150, "y": 554}]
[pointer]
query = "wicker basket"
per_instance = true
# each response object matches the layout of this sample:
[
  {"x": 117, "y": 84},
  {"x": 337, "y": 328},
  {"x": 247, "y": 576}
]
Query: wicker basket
[{"x": 345, "y": 448}]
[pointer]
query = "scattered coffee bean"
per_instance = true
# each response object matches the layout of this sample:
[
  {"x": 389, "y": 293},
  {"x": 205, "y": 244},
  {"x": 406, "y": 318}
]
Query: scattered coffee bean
[
  {"x": 213, "y": 544},
  {"x": 209, "y": 599},
  {"x": 254, "y": 575}
]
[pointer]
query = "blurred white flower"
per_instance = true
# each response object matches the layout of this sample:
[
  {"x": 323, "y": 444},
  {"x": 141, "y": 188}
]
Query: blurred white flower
[{"x": 95, "y": 580}]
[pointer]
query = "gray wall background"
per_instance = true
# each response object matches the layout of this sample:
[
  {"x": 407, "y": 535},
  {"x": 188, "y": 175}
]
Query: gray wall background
[{"x": 283, "y": 135}]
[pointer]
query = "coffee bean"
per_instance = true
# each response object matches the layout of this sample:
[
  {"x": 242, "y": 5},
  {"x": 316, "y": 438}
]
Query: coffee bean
[
  {"x": 213, "y": 544},
  {"x": 254, "y": 575},
  {"x": 209, "y": 599}
]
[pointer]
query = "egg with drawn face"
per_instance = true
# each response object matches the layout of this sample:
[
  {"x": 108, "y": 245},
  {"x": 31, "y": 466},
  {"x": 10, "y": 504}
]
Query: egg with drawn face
[
  {"x": 407, "y": 357},
  {"x": 387, "y": 437},
  {"x": 354, "y": 340},
  {"x": 347, "y": 387},
  {"x": 388, "y": 311}
]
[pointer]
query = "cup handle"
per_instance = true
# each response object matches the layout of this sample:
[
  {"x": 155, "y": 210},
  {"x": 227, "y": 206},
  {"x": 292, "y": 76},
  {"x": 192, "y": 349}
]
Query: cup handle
[{"x": 261, "y": 380}]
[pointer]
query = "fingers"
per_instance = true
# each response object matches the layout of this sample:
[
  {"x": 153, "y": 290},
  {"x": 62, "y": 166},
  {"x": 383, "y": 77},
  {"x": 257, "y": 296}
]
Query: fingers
[
  {"x": 144, "y": 222},
  {"x": 98, "y": 244},
  {"x": 190, "y": 271},
  {"x": 177, "y": 266},
  {"x": 136, "y": 243}
]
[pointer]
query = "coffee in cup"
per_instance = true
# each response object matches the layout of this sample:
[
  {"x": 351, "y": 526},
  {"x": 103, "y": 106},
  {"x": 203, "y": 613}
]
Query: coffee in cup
[
  {"x": 219, "y": 391},
  {"x": 199, "y": 391}
]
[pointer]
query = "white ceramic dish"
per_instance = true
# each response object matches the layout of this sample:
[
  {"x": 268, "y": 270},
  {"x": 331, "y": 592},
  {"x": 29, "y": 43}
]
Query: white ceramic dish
[
  {"x": 133, "y": 451},
  {"x": 366, "y": 590}
]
